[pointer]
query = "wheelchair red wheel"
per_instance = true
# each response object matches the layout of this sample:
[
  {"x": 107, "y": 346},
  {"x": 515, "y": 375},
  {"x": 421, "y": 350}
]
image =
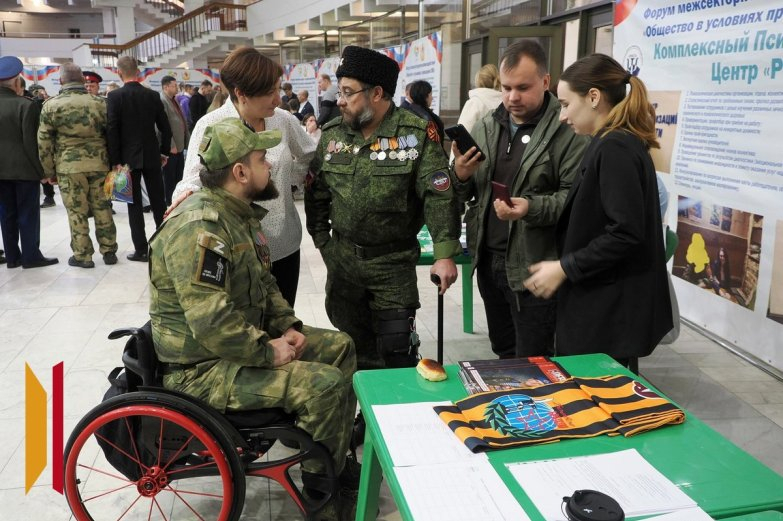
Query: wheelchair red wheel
[{"x": 179, "y": 465}]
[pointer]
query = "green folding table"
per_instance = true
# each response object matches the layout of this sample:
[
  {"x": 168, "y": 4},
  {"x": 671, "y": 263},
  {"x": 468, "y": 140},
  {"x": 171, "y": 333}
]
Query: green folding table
[
  {"x": 720, "y": 477},
  {"x": 428, "y": 259}
]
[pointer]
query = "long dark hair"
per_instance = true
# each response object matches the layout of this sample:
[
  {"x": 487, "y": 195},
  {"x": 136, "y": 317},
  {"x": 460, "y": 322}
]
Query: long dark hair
[{"x": 633, "y": 112}]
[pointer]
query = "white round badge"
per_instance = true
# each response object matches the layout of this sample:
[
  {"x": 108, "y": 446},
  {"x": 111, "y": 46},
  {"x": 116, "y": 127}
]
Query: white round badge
[{"x": 526, "y": 139}]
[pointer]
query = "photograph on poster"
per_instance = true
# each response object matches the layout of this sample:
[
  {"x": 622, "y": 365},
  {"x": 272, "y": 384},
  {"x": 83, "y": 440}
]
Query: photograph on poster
[
  {"x": 667, "y": 105},
  {"x": 775, "y": 310},
  {"x": 719, "y": 249}
]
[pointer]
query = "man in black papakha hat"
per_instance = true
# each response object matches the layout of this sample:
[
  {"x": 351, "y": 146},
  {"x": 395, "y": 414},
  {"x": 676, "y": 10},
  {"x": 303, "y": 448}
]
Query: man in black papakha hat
[{"x": 378, "y": 175}]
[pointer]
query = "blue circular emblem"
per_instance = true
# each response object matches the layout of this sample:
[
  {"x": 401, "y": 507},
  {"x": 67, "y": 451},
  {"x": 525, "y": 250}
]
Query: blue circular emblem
[{"x": 519, "y": 416}]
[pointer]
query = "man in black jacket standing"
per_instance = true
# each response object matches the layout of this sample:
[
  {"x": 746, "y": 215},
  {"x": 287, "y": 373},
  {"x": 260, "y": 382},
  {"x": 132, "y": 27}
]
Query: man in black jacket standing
[
  {"x": 134, "y": 111},
  {"x": 199, "y": 103},
  {"x": 20, "y": 171}
]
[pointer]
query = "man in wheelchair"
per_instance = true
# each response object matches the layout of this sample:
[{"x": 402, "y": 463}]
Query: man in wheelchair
[{"x": 223, "y": 332}]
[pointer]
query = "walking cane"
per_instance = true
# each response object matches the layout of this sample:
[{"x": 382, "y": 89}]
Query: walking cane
[{"x": 436, "y": 280}]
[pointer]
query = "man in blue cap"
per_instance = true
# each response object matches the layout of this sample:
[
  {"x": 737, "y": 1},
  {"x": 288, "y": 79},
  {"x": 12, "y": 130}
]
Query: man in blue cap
[{"x": 20, "y": 171}]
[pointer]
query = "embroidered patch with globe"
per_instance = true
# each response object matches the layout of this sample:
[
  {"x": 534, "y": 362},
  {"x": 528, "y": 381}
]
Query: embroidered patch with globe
[{"x": 520, "y": 416}]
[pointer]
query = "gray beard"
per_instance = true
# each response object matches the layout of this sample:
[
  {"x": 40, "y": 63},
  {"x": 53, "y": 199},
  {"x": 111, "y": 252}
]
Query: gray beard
[{"x": 363, "y": 119}]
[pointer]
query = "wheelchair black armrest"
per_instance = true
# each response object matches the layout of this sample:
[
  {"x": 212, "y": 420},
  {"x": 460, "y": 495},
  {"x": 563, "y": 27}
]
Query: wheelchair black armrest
[{"x": 139, "y": 354}]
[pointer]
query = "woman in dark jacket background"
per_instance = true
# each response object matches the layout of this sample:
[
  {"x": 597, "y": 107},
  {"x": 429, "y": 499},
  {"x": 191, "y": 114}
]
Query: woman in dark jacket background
[
  {"x": 613, "y": 296},
  {"x": 421, "y": 99}
]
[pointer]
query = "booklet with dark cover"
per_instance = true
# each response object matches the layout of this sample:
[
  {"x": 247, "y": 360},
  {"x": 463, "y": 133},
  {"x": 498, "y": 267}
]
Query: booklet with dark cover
[{"x": 479, "y": 376}]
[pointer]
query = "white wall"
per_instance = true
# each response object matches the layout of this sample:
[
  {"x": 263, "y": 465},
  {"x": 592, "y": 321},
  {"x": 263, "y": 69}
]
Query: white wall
[
  {"x": 51, "y": 49},
  {"x": 52, "y": 23},
  {"x": 271, "y": 15}
]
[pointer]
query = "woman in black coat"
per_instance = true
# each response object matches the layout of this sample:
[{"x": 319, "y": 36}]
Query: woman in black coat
[{"x": 613, "y": 294}]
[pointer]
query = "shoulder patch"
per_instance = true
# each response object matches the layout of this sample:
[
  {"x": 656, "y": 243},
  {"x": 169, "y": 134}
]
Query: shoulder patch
[
  {"x": 440, "y": 181},
  {"x": 212, "y": 267}
]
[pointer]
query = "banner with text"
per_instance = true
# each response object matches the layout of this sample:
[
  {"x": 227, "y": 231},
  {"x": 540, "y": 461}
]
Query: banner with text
[{"x": 714, "y": 70}]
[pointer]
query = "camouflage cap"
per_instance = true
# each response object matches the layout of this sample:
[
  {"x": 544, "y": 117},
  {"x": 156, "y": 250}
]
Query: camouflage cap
[{"x": 229, "y": 140}]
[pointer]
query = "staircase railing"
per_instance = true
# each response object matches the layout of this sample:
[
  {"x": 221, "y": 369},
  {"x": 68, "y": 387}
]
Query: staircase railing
[{"x": 207, "y": 18}]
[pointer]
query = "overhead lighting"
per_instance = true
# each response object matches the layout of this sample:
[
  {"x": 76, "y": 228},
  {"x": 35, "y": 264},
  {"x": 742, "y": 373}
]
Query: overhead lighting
[{"x": 71, "y": 2}]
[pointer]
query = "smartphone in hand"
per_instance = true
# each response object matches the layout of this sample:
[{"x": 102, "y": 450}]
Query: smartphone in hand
[
  {"x": 500, "y": 191},
  {"x": 464, "y": 140}
]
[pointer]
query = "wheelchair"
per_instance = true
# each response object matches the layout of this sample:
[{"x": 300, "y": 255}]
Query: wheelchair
[{"x": 183, "y": 459}]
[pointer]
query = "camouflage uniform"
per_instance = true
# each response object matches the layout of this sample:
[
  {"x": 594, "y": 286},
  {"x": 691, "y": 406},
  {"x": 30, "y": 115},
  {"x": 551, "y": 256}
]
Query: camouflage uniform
[
  {"x": 374, "y": 206},
  {"x": 215, "y": 306},
  {"x": 72, "y": 146}
]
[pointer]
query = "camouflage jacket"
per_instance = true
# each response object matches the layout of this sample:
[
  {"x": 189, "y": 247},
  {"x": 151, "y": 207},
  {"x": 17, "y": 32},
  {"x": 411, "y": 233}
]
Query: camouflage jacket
[
  {"x": 213, "y": 302},
  {"x": 72, "y": 133},
  {"x": 382, "y": 189}
]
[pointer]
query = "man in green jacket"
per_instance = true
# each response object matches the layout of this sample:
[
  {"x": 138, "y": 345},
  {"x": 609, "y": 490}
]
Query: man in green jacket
[
  {"x": 378, "y": 175},
  {"x": 72, "y": 148},
  {"x": 221, "y": 328},
  {"x": 536, "y": 156}
]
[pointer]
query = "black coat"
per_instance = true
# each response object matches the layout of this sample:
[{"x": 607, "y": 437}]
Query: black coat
[
  {"x": 610, "y": 242},
  {"x": 19, "y": 138},
  {"x": 198, "y": 106},
  {"x": 134, "y": 111}
]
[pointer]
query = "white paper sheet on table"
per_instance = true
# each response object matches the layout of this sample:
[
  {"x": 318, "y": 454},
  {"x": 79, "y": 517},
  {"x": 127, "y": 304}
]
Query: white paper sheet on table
[
  {"x": 690, "y": 514},
  {"x": 467, "y": 490},
  {"x": 626, "y": 476},
  {"x": 415, "y": 435}
]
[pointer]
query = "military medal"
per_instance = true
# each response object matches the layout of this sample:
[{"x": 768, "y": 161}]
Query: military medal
[
  {"x": 393, "y": 154},
  {"x": 356, "y": 149},
  {"x": 339, "y": 146},
  {"x": 413, "y": 154},
  {"x": 373, "y": 156},
  {"x": 411, "y": 140},
  {"x": 381, "y": 155},
  {"x": 402, "y": 155},
  {"x": 328, "y": 157}
]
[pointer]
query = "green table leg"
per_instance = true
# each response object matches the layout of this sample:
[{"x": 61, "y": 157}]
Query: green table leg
[
  {"x": 467, "y": 298},
  {"x": 369, "y": 483}
]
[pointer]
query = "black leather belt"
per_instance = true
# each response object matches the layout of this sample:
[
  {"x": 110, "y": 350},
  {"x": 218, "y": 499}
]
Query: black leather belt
[{"x": 371, "y": 252}]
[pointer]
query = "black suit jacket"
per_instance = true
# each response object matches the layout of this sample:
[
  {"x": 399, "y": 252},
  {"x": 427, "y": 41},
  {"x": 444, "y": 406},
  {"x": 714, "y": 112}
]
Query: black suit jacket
[
  {"x": 610, "y": 240},
  {"x": 198, "y": 106},
  {"x": 305, "y": 109},
  {"x": 134, "y": 111}
]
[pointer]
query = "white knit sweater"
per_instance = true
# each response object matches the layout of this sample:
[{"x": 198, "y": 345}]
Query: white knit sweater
[
  {"x": 290, "y": 160},
  {"x": 480, "y": 101}
]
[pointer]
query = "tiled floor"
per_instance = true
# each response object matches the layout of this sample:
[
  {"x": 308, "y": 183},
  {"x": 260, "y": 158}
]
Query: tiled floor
[{"x": 60, "y": 313}]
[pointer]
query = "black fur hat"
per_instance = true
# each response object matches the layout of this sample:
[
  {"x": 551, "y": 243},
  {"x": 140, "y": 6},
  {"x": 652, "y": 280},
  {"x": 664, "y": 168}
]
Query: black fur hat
[{"x": 370, "y": 67}]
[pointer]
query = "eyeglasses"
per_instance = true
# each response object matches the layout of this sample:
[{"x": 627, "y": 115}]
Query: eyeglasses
[{"x": 346, "y": 95}]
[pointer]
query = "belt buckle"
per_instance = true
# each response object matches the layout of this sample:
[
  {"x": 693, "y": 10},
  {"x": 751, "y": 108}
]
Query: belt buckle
[{"x": 359, "y": 252}]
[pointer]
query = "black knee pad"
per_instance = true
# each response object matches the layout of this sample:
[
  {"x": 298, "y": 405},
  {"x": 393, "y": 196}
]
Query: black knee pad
[{"x": 398, "y": 343}]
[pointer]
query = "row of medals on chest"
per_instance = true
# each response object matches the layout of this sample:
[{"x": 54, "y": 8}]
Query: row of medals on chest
[{"x": 400, "y": 148}]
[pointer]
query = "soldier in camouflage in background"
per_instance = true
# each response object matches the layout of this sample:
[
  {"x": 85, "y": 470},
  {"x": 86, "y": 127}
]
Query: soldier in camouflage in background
[
  {"x": 378, "y": 175},
  {"x": 72, "y": 147},
  {"x": 222, "y": 329}
]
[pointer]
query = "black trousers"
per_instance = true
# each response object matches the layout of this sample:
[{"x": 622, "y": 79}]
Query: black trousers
[
  {"x": 20, "y": 220},
  {"x": 153, "y": 180},
  {"x": 519, "y": 323},
  {"x": 48, "y": 190},
  {"x": 172, "y": 174},
  {"x": 286, "y": 271}
]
